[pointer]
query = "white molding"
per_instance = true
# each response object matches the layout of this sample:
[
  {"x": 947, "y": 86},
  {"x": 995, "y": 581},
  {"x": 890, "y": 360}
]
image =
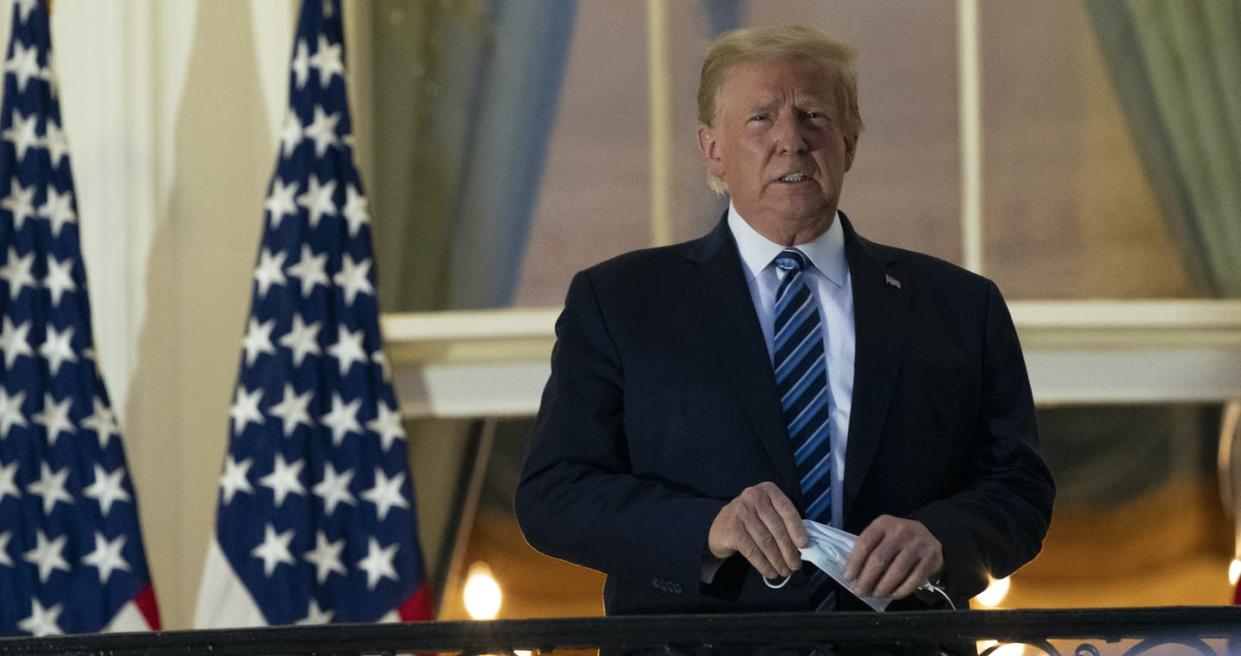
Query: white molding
[
  {"x": 495, "y": 363},
  {"x": 969, "y": 121}
]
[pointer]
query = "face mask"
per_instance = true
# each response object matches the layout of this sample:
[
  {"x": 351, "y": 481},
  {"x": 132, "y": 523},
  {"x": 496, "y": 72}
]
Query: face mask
[{"x": 828, "y": 549}]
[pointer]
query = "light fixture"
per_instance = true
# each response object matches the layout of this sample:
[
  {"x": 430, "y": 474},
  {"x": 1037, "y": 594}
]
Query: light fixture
[
  {"x": 994, "y": 594},
  {"x": 1234, "y": 571},
  {"x": 482, "y": 593}
]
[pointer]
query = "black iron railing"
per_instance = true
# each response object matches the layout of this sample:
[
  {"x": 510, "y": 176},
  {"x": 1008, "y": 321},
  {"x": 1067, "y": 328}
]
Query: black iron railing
[{"x": 1130, "y": 631}]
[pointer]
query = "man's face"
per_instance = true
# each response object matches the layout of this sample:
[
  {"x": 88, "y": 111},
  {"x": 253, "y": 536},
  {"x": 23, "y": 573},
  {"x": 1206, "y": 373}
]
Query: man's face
[{"x": 778, "y": 142}]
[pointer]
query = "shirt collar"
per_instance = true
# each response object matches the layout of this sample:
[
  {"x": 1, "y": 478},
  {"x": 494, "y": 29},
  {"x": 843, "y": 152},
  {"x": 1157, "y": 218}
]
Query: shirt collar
[{"x": 826, "y": 253}]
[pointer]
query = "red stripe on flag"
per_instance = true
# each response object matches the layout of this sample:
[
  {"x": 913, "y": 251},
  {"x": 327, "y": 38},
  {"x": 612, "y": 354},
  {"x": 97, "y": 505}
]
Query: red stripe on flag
[
  {"x": 418, "y": 606},
  {"x": 145, "y": 601}
]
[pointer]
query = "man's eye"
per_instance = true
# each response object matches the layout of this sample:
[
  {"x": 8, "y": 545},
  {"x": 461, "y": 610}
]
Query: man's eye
[{"x": 758, "y": 117}]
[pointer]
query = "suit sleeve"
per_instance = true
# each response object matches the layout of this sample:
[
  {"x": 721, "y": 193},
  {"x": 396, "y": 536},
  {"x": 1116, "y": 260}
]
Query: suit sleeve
[
  {"x": 578, "y": 499},
  {"x": 997, "y": 521}
]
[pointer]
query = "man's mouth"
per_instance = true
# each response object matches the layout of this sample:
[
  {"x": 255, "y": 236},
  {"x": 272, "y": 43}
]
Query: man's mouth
[{"x": 794, "y": 177}]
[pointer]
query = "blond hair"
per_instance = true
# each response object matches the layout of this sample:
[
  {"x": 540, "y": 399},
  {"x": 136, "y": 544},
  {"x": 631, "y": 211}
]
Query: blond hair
[{"x": 765, "y": 43}]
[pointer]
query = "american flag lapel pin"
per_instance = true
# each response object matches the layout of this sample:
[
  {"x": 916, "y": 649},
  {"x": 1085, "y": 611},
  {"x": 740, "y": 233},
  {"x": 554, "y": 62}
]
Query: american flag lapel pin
[{"x": 887, "y": 278}]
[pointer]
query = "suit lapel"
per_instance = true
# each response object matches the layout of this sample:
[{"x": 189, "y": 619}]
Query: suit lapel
[
  {"x": 880, "y": 300},
  {"x": 715, "y": 284}
]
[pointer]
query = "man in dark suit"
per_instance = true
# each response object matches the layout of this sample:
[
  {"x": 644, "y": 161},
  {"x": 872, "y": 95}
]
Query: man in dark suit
[{"x": 707, "y": 396}]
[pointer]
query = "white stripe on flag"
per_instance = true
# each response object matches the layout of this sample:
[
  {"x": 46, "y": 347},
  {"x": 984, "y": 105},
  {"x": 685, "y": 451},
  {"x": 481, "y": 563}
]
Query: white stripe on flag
[
  {"x": 223, "y": 600},
  {"x": 128, "y": 618}
]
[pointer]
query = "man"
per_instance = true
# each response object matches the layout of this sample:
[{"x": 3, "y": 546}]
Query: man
[{"x": 707, "y": 396}]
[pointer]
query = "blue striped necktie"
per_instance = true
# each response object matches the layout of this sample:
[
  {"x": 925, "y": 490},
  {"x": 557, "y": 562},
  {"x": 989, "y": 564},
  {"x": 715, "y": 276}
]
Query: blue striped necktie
[{"x": 801, "y": 380}]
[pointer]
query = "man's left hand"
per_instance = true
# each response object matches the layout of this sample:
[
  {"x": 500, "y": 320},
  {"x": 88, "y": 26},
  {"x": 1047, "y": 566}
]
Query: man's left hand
[{"x": 893, "y": 557}]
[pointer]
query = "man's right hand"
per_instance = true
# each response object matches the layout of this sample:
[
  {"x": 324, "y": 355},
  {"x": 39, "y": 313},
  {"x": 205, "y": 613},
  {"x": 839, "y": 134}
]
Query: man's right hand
[{"x": 762, "y": 525}]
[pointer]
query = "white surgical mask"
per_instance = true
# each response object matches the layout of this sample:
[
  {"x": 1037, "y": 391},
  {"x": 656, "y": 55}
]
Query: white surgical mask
[{"x": 828, "y": 549}]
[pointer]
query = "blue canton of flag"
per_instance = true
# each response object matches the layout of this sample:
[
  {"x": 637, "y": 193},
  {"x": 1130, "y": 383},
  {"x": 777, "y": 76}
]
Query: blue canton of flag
[
  {"x": 316, "y": 521},
  {"x": 71, "y": 554}
]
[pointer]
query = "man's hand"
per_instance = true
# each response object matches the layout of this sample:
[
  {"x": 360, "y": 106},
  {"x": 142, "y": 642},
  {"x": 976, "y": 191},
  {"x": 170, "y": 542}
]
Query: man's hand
[
  {"x": 763, "y": 526},
  {"x": 893, "y": 557}
]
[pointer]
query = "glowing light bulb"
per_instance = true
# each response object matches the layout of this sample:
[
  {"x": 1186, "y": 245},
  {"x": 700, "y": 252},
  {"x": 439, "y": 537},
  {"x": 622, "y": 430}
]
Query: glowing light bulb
[
  {"x": 1234, "y": 571},
  {"x": 994, "y": 594},
  {"x": 1011, "y": 649},
  {"x": 482, "y": 593}
]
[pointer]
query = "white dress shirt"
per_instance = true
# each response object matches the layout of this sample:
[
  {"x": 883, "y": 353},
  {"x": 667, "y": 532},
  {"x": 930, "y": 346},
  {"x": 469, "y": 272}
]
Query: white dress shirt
[{"x": 829, "y": 284}]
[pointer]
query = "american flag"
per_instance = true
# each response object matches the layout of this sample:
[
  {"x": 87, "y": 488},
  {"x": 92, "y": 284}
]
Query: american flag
[
  {"x": 71, "y": 554},
  {"x": 316, "y": 518}
]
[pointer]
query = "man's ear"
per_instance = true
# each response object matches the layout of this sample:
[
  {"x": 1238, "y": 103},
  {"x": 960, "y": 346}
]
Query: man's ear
[
  {"x": 850, "y": 151},
  {"x": 710, "y": 150}
]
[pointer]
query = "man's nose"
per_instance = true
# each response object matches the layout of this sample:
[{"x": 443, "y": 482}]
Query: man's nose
[{"x": 790, "y": 136}]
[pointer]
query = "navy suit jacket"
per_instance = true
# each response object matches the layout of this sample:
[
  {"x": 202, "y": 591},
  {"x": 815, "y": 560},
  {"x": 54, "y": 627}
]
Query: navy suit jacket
[{"x": 662, "y": 406}]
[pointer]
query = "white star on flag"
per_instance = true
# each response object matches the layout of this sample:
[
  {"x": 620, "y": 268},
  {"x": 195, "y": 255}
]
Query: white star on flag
[
  {"x": 327, "y": 60},
  {"x": 47, "y": 555},
  {"x": 42, "y": 621},
  {"x": 281, "y": 203},
  {"x": 57, "y": 348},
  {"x": 378, "y": 563},
  {"x": 317, "y": 200},
  {"x": 387, "y": 423},
  {"x": 355, "y": 211},
  {"x": 59, "y": 279},
  {"x": 348, "y": 348},
  {"x": 11, "y": 412},
  {"x": 5, "y": 559},
  {"x": 386, "y": 494},
  {"x": 274, "y": 549},
  {"x": 236, "y": 478},
  {"x": 283, "y": 479},
  {"x": 22, "y": 134},
  {"x": 107, "y": 488},
  {"x": 292, "y": 409},
  {"x": 57, "y": 144},
  {"x": 326, "y": 557},
  {"x": 322, "y": 130},
  {"x": 334, "y": 488},
  {"x": 55, "y": 418},
  {"x": 13, "y": 341},
  {"x": 310, "y": 269},
  {"x": 19, "y": 202},
  {"x": 270, "y": 271},
  {"x": 302, "y": 339},
  {"x": 103, "y": 423},
  {"x": 352, "y": 278},
  {"x": 17, "y": 273},
  {"x": 342, "y": 418},
  {"x": 23, "y": 65},
  {"x": 301, "y": 65},
  {"x": 51, "y": 487},
  {"x": 258, "y": 340},
  {"x": 58, "y": 210},
  {"x": 291, "y": 134},
  {"x": 245, "y": 409},
  {"x": 107, "y": 556},
  {"x": 315, "y": 615},
  {"x": 8, "y": 482}
]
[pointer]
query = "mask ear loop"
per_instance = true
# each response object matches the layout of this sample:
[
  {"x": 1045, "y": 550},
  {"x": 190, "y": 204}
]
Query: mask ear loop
[{"x": 776, "y": 586}]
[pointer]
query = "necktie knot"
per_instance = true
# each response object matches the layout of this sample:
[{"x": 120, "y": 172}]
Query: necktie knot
[{"x": 791, "y": 260}]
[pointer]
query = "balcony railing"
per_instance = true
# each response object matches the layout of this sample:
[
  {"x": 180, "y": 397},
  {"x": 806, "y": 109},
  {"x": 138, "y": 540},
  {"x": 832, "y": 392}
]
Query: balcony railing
[{"x": 1197, "y": 630}]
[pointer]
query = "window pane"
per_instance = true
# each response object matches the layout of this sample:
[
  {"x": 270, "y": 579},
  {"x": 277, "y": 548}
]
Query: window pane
[
  {"x": 595, "y": 198},
  {"x": 1068, "y": 212}
]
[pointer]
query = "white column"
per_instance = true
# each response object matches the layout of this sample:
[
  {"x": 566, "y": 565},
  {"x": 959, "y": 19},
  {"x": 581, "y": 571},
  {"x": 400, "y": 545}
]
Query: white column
[{"x": 969, "y": 76}]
